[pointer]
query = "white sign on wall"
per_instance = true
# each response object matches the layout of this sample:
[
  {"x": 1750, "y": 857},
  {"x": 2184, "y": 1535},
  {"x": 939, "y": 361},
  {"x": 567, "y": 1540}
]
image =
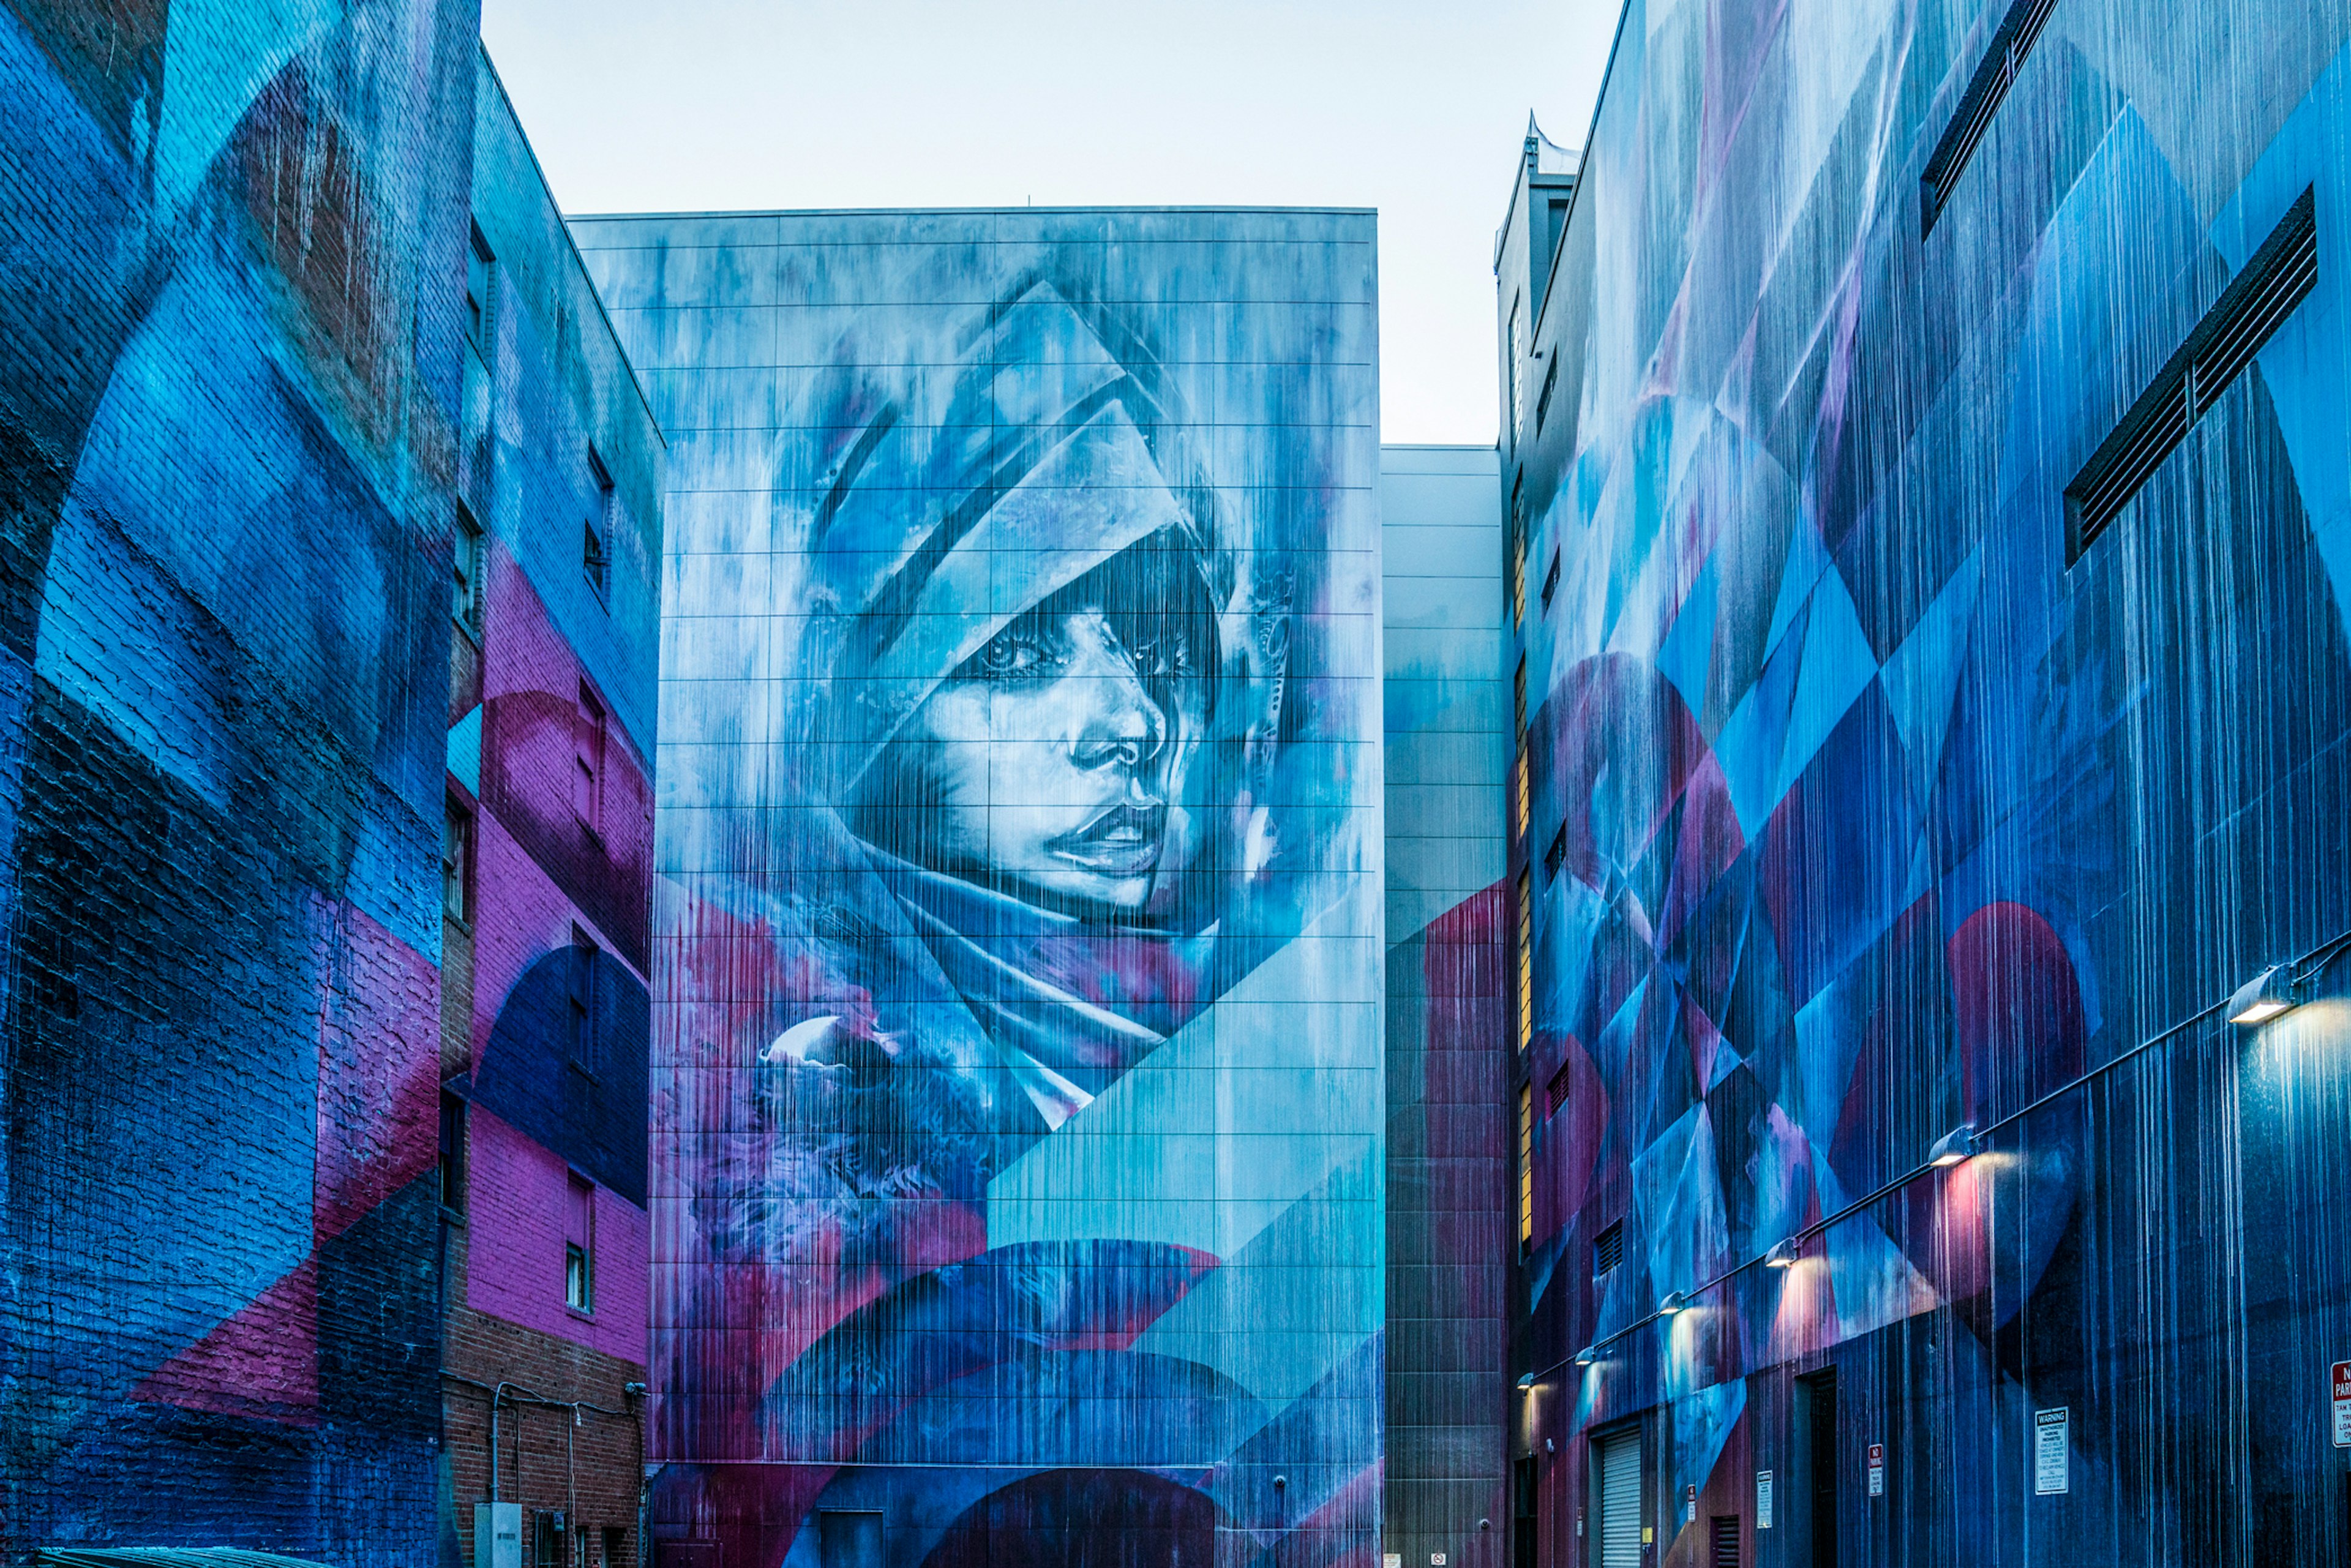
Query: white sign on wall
[
  {"x": 2051, "y": 1445},
  {"x": 1762, "y": 1500}
]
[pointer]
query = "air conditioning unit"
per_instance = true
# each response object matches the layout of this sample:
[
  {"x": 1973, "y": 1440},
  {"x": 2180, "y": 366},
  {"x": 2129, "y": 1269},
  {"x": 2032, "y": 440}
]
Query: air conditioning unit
[{"x": 497, "y": 1535}]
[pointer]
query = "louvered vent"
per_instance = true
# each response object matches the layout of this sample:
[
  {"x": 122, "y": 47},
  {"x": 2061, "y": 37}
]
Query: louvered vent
[
  {"x": 1608, "y": 1249},
  {"x": 2254, "y": 305},
  {"x": 1986, "y": 90},
  {"x": 1555, "y": 1093},
  {"x": 1726, "y": 1542}
]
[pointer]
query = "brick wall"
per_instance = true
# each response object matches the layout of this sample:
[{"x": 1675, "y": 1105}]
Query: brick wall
[
  {"x": 590, "y": 1469},
  {"x": 229, "y": 398}
]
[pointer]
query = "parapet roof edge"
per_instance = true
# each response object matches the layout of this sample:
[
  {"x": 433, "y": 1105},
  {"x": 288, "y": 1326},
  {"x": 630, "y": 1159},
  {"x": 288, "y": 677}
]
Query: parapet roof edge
[
  {"x": 564, "y": 224},
  {"x": 1582, "y": 168},
  {"x": 938, "y": 212}
]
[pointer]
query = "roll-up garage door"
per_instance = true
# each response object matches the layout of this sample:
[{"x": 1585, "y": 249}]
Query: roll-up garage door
[{"x": 1619, "y": 1466}]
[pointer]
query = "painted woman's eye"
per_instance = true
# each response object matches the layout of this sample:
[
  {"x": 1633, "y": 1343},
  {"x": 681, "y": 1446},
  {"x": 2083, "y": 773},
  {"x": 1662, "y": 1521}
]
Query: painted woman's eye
[{"x": 1012, "y": 653}]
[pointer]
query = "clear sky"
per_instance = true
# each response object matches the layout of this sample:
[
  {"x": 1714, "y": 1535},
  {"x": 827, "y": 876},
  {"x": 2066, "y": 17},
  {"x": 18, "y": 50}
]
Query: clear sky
[{"x": 1414, "y": 107}]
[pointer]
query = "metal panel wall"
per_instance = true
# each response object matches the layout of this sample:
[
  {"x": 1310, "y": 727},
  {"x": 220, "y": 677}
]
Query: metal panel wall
[{"x": 1018, "y": 1142}]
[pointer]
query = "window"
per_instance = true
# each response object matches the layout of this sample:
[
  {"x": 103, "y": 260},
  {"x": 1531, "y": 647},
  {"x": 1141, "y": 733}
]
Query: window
[
  {"x": 1526, "y": 962},
  {"x": 1526, "y": 1167},
  {"x": 582, "y": 1033},
  {"x": 1519, "y": 700},
  {"x": 452, "y": 1153},
  {"x": 847, "y": 1538},
  {"x": 466, "y": 607},
  {"x": 1551, "y": 384},
  {"x": 1986, "y": 90},
  {"x": 1555, "y": 856},
  {"x": 479, "y": 280},
  {"x": 595, "y": 560},
  {"x": 1512, "y": 352},
  {"x": 456, "y": 861},
  {"x": 2255, "y": 303},
  {"x": 1555, "y": 1093},
  {"x": 1524, "y": 782},
  {"x": 591, "y": 741},
  {"x": 1517, "y": 547},
  {"x": 616, "y": 1546},
  {"x": 579, "y": 1245},
  {"x": 1550, "y": 577},
  {"x": 1608, "y": 1249},
  {"x": 547, "y": 1538}
]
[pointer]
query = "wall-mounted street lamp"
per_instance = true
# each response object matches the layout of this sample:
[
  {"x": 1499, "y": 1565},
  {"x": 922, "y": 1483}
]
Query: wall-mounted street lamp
[
  {"x": 1585, "y": 1356},
  {"x": 1783, "y": 1254},
  {"x": 2263, "y": 997},
  {"x": 1675, "y": 1301},
  {"x": 1954, "y": 1147},
  {"x": 1526, "y": 1381}
]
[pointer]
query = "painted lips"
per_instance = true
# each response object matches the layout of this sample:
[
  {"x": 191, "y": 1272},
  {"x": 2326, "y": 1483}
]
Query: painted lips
[{"x": 1123, "y": 841}]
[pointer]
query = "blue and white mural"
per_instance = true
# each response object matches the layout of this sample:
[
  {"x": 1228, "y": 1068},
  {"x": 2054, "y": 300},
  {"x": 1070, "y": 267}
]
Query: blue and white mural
[{"x": 1017, "y": 1170}]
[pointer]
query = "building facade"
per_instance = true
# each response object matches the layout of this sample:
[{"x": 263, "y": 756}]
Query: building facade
[
  {"x": 547, "y": 894},
  {"x": 232, "y": 240},
  {"x": 1447, "y": 730},
  {"x": 1017, "y": 1170},
  {"x": 1934, "y": 509}
]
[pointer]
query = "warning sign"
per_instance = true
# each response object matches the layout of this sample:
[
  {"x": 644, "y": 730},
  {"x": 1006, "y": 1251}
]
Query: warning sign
[
  {"x": 2052, "y": 1445},
  {"x": 1762, "y": 1500},
  {"x": 2339, "y": 1381},
  {"x": 1877, "y": 1469}
]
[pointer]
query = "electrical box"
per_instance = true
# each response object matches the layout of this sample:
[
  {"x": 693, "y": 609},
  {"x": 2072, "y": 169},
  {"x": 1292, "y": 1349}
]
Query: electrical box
[{"x": 497, "y": 1535}]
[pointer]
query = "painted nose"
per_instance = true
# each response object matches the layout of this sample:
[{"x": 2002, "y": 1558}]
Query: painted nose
[{"x": 1122, "y": 726}]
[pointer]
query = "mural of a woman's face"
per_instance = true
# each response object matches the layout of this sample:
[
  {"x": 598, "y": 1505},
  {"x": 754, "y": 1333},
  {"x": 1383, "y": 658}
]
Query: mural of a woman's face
[{"x": 1052, "y": 761}]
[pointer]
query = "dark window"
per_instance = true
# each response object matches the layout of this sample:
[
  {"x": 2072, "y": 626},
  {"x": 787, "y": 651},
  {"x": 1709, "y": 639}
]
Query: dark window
[
  {"x": 1555, "y": 856},
  {"x": 452, "y": 1153},
  {"x": 466, "y": 607},
  {"x": 456, "y": 861},
  {"x": 595, "y": 556},
  {"x": 547, "y": 1538},
  {"x": 584, "y": 959},
  {"x": 616, "y": 1546},
  {"x": 594, "y": 737},
  {"x": 1512, "y": 353},
  {"x": 1608, "y": 1249},
  {"x": 1518, "y": 702},
  {"x": 579, "y": 1245},
  {"x": 2010, "y": 42},
  {"x": 1551, "y": 384},
  {"x": 479, "y": 280},
  {"x": 1555, "y": 1095},
  {"x": 1550, "y": 577},
  {"x": 1725, "y": 1544},
  {"x": 2254, "y": 305}
]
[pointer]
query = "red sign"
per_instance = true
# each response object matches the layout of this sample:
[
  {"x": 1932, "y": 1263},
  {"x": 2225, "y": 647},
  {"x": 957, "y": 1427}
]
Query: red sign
[
  {"x": 1877, "y": 1469},
  {"x": 2340, "y": 1380}
]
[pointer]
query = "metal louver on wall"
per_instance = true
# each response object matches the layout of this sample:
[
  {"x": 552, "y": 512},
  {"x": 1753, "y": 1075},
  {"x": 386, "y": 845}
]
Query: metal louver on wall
[
  {"x": 1987, "y": 89},
  {"x": 2255, "y": 303}
]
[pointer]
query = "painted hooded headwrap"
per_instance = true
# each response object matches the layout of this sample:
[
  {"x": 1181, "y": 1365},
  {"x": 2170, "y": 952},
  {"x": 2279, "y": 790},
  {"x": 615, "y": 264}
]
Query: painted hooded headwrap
[{"x": 1052, "y": 455}]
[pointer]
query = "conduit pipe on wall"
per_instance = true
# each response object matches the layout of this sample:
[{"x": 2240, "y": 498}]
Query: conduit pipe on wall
[
  {"x": 2288, "y": 979},
  {"x": 500, "y": 1397}
]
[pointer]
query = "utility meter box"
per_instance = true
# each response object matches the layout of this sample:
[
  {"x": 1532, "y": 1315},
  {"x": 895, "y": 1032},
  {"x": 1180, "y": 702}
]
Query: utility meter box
[{"x": 497, "y": 1535}]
